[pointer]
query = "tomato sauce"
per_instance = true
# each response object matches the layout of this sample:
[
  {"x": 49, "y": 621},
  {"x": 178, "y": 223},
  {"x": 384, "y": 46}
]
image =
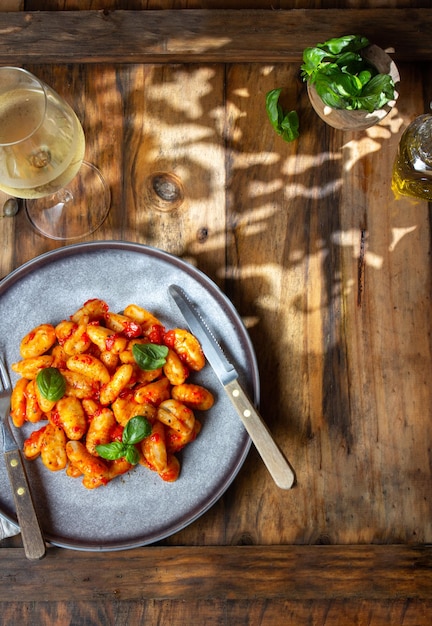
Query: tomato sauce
[{"x": 132, "y": 329}]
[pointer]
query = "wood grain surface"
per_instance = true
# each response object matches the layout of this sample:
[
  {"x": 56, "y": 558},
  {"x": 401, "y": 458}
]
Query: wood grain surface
[
  {"x": 273, "y": 586},
  {"x": 199, "y": 36},
  {"x": 231, "y": 573},
  {"x": 328, "y": 271},
  {"x": 331, "y": 275}
]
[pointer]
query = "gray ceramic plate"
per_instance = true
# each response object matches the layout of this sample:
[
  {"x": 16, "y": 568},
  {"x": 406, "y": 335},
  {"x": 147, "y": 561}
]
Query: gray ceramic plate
[{"x": 137, "y": 508}]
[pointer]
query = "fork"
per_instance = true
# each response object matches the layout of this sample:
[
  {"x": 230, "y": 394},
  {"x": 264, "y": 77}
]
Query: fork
[{"x": 33, "y": 541}]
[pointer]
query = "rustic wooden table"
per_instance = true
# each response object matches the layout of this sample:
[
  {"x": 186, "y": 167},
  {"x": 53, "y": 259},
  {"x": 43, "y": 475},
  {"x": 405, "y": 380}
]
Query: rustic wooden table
[{"x": 329, "y": 272}]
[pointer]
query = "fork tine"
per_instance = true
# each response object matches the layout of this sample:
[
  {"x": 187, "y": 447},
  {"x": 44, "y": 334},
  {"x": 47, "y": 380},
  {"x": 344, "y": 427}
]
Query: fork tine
[{"x": 4, "y": 376}]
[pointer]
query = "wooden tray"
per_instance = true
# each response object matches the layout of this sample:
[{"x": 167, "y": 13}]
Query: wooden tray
[{"x": 231, "y": 583}]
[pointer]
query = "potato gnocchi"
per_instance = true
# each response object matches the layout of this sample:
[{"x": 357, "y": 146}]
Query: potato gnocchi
[{"x": 93, "y": 385}]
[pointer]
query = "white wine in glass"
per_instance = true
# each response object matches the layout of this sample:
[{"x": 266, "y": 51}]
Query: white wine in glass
[{"x": 42, "y": 148}]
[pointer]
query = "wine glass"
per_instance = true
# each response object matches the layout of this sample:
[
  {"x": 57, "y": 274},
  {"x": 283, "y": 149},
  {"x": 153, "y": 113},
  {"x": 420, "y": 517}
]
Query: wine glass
[{"x": 41, "y": 159}]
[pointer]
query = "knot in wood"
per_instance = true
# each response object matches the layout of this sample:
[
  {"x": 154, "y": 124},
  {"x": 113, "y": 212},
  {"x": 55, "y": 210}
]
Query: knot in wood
[{"x": 164, "y": 191}]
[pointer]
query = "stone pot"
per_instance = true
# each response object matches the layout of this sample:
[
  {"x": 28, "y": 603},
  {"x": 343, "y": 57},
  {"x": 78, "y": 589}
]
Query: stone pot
[{"x": 359, "y": 120}]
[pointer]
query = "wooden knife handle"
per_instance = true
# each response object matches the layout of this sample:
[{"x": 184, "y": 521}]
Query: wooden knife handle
[
  {"x": 273, "y": 458},
  {"x": 33, "y": 541}
]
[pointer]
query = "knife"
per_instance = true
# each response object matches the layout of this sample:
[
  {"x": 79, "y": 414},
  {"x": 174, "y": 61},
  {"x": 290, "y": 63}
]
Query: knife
[
  {"x": 31, "y": 533},
  {"x": 272, "y": 456}
]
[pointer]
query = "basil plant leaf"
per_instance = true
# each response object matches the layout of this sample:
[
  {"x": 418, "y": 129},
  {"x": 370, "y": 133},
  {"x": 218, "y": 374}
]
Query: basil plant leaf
[
  {"x": 346, "y": 85},
  {"x": 381, "y": 83},
  {"x": 332, "y": 99},
  {"x": 136, "y": 429},
  {"x": 343, "y": 44},
  {"x": 327, "y": 95},
  {"x": 51, "y": 383},
  {"x": 273, "y": 107},
  {"x": 377, "y": 93},
  {"x": 290, "y": 126},
  {"x": 149, "y": 356},
  {"x": 364, "y": 77},
  {"x": 349, "y": 60},
  {"x": 312, "y": 58},
  {"x": 285, "y": 124},
  {"x": 132, "y": 455},
  {"x": 111, "y": 451}
]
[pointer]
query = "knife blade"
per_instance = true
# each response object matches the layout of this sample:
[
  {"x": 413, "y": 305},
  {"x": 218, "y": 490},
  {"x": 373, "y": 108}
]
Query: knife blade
[{"x": 277, "y": 465}]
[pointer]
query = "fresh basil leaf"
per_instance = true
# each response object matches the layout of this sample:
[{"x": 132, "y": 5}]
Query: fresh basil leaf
[
  {"x": 346, "y": 85},
  {"x": 149, "y": 356},
  {"x": 285, "y": 124},
  {"x": 290, "y": 126},
  {"x": 332, "y": 99},
  {"x": 345, "y": 43},
  {"x": 312, "y": 58},
  {"x": 357, "y": 67},
  {"x": 349, "y": 59},
  {"x": 136, "y": 429},
  {"x": 364, "y": 77},
  {"x": 51, "y": 383},
  {"x": 381, "y": 83},
  {"x": 377, "y": 93},
  {"x": 273, "y": 107},
  {"x": 323, "y": 87},
  {"x": 132, "y": 455},
  {"x": 111, "y": 451}
]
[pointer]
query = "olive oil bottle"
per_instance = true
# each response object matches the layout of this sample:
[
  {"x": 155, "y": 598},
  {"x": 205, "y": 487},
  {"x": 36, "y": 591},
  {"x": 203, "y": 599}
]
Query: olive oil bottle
[{"x": 412, "y": 169}]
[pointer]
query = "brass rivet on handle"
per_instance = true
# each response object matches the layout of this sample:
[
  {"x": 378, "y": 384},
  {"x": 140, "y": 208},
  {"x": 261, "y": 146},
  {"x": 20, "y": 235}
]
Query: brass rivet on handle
[
  {"x": 20, "y": 491},
  {"x": 13, "y": 463}
]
